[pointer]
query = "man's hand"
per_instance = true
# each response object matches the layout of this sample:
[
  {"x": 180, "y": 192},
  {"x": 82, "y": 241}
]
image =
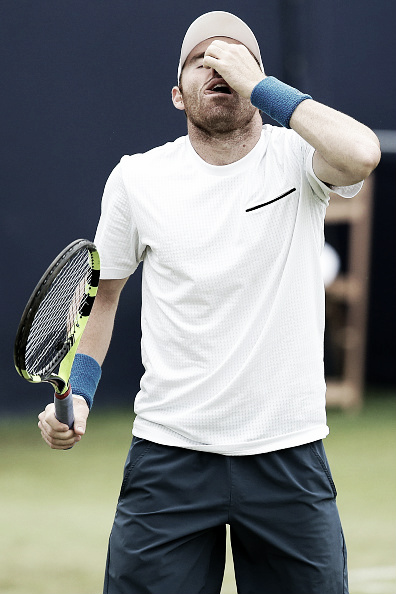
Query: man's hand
[
  {"x": 58, "y": 435},
  {"x": 235, "y": 64}
]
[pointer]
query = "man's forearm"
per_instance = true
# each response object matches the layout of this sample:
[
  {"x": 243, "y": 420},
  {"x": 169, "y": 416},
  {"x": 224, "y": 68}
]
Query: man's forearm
[
  {"x": 346, "y": 150},
  {"x": 97, "y": 335}
]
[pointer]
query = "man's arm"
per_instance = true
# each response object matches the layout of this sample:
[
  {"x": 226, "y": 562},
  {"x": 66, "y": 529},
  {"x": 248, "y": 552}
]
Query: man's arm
[
  {"x": 94, "y": 342},
  {"x": 346, "y": 151},
  {"x": 97, "y": 335}
]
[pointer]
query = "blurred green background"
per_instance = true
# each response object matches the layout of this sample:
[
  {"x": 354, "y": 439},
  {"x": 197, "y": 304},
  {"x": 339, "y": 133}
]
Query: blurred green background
[{"x": 57, "y": 508}]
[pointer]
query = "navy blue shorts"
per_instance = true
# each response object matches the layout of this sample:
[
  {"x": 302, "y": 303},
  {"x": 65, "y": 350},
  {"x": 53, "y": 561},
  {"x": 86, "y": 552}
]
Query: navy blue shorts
[{"x": 169, "y": 533}]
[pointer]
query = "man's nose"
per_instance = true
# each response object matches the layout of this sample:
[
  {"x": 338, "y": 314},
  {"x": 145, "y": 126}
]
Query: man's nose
[{"x": 214, "y": 73}]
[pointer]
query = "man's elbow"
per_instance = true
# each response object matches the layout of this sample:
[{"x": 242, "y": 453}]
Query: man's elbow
[{"x": 368, "y": 158}]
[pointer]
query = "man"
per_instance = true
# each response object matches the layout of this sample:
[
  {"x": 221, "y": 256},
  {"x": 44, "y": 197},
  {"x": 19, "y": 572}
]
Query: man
[{"x": 228, "y": 222}]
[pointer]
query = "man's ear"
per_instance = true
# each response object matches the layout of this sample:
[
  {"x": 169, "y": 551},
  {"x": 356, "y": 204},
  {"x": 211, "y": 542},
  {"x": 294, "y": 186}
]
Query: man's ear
[{"x": 177, "y": 98}]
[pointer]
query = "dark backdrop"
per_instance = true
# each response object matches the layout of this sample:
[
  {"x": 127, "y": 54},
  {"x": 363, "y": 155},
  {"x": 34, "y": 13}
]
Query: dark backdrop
[{"x": 85, "y": 82}]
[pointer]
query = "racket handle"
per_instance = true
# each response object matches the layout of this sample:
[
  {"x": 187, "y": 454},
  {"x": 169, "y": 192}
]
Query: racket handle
[{"x": 64, "y": 408}]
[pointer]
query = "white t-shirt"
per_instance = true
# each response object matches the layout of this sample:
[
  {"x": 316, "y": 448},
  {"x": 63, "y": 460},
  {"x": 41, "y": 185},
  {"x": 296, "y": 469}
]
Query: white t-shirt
[{"x": 232, "y": 292}]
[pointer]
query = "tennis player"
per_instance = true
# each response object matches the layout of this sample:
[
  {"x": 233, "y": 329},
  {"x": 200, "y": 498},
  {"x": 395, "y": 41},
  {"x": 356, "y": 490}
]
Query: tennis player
[{"x": 230, "y": 416}]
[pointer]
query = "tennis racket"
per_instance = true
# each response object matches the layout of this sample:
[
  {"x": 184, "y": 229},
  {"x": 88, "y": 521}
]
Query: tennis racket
[{"x": 53, "y": 322}]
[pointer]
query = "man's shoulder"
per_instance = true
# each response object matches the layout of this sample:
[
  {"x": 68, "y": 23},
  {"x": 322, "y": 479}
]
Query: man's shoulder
[
  {"x": 280, "y": 134},
  {"x": 284, "y": 143},
  {"x": 169, "y": 150}
]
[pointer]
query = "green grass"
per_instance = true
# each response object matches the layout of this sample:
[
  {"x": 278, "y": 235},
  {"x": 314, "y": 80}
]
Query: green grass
[
  {"x": 57, "y": 508},
  {"x": 362, "y": 453}
]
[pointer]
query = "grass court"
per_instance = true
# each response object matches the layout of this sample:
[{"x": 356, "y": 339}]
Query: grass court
[{"x": 57, "y": 508}]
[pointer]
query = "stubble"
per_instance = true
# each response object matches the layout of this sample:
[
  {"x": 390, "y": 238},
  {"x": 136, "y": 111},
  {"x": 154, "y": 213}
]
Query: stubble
[{"x": 217, "y": 116}]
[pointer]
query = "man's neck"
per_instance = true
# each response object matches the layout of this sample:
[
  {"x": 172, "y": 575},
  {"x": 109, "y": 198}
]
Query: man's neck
[{"x": 223, "y": 149}]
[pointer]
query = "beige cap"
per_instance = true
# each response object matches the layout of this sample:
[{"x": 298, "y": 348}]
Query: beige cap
[{"x": 218, "y": 24}]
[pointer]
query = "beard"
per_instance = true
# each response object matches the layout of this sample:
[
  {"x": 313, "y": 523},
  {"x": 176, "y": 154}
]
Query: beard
[{"x": 217, "y": 116}]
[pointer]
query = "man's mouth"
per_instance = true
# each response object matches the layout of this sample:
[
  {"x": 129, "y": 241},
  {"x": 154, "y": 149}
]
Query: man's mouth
[{"x": 219, "y": 88}]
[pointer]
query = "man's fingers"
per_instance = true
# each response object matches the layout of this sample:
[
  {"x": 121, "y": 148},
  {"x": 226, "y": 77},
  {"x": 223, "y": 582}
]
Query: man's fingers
[
  {"x": 81, "y": 412},
  {"x": 58, "y": 441},
  {"x": 210, "y": 62},
  {"x": 217, "y": 47},
  {"x": 212, "y": 55},
  {"x": 220, "y": 50},
  {"x": 235, "y": 64},
  {"x": 64, "y": 433},
  {"x": 58, "y": 435},
  {"x": 59, "y": 444},
  {"x": 50, "y": 422}
]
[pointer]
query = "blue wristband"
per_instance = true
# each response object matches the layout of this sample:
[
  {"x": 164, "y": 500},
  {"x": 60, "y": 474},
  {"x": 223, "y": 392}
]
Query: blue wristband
[
  {"x": 277, "y": 99},
  {"x": 84, "y": 377}
]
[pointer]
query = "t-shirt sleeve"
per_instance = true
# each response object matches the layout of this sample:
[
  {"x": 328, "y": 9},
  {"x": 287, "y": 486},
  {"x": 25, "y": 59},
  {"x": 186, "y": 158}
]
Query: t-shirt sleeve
[
  {"x": 117, "y": 237},
  {"x": 321, "y": 189}
]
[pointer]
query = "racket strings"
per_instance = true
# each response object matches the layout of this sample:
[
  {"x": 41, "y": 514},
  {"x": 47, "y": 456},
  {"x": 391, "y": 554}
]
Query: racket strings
[{"x": 56, "y": 320}]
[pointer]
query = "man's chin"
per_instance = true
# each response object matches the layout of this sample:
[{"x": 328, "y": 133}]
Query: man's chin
[{"x": 218, "y": 121}]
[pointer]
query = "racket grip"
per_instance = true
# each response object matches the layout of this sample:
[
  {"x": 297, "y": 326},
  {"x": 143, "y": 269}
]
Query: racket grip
[{"x": 64, "y": 408}]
